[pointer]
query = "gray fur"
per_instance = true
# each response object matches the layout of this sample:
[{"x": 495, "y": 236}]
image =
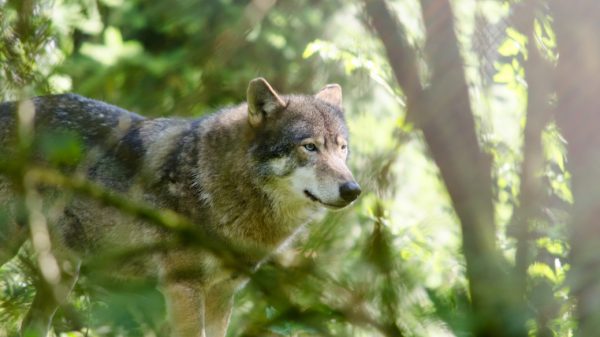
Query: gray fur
[{"x": 247, "y": 173}]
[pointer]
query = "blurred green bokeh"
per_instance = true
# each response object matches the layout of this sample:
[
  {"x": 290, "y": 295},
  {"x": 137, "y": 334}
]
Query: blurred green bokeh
[{"x": 398, "y": 250}]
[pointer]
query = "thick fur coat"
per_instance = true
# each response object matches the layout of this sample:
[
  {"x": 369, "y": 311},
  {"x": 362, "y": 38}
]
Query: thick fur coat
[{"x": 253, "y": 174}]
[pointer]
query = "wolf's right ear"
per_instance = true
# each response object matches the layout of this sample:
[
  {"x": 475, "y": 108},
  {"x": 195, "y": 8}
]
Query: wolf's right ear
[
  {"x": 263, "y": 101},
  {"x": 332, "y": 94}
]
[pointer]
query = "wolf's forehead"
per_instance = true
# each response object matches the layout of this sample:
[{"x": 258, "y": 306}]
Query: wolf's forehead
[{"x": 315, "y": 118}]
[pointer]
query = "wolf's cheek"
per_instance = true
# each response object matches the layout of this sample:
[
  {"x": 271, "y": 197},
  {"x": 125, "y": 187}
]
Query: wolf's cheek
[
  {"x": 305, "y": 179},
  {"x": 316, "y": 187},
  {"x": 284, "y": 185},
  {"x": 280, "y": 166}
]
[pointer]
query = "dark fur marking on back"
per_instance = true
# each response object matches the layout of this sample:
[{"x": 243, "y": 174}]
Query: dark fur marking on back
[
  {"x": 172, "y": 167},
  {"x": 124, "y": 160},
  {"x": 130, "y": 149},
  {"x": 74, "y": 234},
  {"x": 180, "y": 164},
  {"x": 130, "y": 152},
  {"x": 184, "y": 154}
]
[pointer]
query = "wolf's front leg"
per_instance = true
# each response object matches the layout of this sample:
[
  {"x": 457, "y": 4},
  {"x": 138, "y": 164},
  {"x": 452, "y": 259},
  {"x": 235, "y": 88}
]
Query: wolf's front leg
[
  {"x": 218, "y": 305},
  {"x": 185, "y": 308}
]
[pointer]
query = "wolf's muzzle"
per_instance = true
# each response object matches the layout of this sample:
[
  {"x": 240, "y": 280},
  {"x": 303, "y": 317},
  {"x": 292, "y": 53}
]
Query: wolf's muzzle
[{"x": 349, "y": 191}]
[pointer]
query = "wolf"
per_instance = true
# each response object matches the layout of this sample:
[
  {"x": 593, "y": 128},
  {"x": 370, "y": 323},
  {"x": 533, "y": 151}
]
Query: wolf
[{"x": 254, "y": 174}]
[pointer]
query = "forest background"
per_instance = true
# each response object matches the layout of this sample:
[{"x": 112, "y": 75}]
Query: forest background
[{"x": 473, "y": 135}]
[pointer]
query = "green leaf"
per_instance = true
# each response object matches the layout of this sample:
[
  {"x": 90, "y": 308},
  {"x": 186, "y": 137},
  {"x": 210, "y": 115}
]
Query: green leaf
[{"x": 542, "y": 270}]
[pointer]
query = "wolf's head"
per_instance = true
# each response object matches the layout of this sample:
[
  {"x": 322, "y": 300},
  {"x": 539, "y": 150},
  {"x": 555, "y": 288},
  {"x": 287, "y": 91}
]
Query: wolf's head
[{"x": 301, "y": 145}]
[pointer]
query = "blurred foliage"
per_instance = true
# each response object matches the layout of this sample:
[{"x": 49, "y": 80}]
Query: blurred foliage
[{"x": 396, "y": 255}]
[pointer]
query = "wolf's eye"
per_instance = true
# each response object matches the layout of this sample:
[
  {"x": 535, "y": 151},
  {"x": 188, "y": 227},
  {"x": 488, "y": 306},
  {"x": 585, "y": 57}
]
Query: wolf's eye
[
  {"x": 344, "y": 147},
  {"x": 310, "y": 147}
]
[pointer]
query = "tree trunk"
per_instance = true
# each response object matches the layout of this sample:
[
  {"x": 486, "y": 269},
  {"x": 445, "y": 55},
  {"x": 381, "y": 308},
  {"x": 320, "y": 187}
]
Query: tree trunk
[
  {"x": 443, "y": 113},
  {"x": 577, "y": 29}
]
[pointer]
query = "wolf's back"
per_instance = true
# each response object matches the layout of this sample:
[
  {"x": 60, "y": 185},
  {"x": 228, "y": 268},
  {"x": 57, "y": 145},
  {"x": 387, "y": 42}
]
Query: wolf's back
[{"x": 94, "y": 121}]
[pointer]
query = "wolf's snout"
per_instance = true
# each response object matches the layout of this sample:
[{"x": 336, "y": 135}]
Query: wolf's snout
[{"x": 349, "y": 191}]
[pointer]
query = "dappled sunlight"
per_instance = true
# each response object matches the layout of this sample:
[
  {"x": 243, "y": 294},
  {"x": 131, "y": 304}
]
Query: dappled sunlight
[{"x": 470, "y": 127}]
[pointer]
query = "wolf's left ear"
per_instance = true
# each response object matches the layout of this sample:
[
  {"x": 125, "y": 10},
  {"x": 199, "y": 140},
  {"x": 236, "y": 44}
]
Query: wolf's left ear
[
  {"x": 263, "y": 101},
  {"x": 332, "y": 94}
]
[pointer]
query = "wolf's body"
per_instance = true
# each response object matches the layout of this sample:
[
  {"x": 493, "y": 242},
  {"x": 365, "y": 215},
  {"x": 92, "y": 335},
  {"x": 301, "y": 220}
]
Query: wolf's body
[{"x": 252, "y": 174}]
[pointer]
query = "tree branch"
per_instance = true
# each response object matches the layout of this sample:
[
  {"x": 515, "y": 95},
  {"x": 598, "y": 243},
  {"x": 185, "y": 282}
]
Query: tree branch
[{"x": 404, "y": 66}]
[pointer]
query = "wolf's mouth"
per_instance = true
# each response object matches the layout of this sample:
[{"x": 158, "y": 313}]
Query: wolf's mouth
[{"x": 315, "y": 199}]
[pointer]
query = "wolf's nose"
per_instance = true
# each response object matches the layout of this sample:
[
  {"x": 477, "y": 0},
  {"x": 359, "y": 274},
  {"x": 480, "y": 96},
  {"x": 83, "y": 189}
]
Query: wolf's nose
[{"x": 349, "y": 191}]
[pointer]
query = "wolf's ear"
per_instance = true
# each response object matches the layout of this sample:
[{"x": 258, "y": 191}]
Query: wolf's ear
[
  {"x": 332, "y": 94},
  {"x": 263, "y": 101}
]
